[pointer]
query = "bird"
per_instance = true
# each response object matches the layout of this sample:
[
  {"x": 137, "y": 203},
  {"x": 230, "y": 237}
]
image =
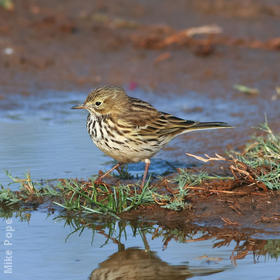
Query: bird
[
  {"x": 135, "y": 263},
  {"x": 129, "y": 129}
]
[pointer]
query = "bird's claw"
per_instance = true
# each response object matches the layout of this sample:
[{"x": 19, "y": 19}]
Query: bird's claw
[{"x": 99, "y": 182}]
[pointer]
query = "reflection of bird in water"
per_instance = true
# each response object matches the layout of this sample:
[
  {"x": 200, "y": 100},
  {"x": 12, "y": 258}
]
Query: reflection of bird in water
[{"x": 134, "y": 263}]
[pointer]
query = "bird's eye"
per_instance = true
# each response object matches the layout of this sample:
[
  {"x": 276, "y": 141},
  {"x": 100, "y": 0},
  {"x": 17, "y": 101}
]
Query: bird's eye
[{"x": 97, "y": 103}]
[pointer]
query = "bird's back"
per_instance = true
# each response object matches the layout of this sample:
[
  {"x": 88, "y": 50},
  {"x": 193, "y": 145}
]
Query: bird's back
[{"x": 148, "y": 122}]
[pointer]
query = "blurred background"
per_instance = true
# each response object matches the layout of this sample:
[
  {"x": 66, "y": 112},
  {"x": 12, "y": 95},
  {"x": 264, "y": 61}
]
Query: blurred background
[{"x": 199, "y": 45}]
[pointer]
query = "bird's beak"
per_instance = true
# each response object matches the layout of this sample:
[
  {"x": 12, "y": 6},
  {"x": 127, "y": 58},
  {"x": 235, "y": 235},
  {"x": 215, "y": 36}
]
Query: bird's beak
[{"x": 80, "y": 106}]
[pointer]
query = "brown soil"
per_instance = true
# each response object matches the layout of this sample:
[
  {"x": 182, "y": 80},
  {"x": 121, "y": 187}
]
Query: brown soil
[
  {"x": 220, "y": 204},
  {"x": 242, "y": 203},
  {"x": 139, "y": 43},
  {"x": 79, "y": 45}
]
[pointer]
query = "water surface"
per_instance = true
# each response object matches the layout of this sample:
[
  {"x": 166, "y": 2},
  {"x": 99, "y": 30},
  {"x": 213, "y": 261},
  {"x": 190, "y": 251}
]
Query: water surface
[{"x": 46, "y": 247}]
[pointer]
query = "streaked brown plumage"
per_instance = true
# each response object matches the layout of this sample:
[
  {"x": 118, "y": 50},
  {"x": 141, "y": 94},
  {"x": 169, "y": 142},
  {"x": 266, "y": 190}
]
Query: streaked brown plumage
[{"x": 131, "y": 130}]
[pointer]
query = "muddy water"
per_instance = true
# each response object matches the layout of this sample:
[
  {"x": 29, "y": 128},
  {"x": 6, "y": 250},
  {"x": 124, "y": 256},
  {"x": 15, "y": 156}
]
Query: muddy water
[{"x": 42, "y": 135}]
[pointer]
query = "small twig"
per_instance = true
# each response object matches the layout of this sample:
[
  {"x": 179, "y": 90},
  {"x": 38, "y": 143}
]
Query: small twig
[
  {"x": 158, "y": 201},
  {"x": 113, "y": 239},
  {"x": 162, "y": 57},
  {"x": 246, "y": 90},
  {"x": 235, "y": 209},
  {"x": 204, "y": 237},
  {"x": 221, "y": 191},
  {"x": 208, "y": 158},
  {"x": 229, "y": 222},
  {"x": 205, "y": 29},
  {"x": 215, "y": 191}
]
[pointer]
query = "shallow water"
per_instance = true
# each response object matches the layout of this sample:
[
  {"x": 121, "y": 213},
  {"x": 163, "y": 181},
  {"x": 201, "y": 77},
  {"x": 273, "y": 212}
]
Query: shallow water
[
  {"x": 42, "y": 135},
  {"x": 48, "y": 248}
]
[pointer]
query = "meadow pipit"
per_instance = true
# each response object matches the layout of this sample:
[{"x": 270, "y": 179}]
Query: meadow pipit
[{"x": 131, "y": 130}]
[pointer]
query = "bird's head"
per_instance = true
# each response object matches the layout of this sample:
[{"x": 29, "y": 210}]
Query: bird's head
[{"x": 104, "y": 101}]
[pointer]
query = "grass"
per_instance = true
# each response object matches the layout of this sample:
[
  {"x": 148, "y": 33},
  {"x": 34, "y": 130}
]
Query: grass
[
  {"x": 84, "y": 197},
  {"x": 7, "y": 197},
  {"x": 261, "y": 159},
  {"x": 112, "y": 229},
  {"x": 258, "y": 165},
  {"x": 90, "y": 199}
]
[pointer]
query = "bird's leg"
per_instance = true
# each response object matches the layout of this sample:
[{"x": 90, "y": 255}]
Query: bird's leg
[
  {"x": 119, "y": 170},
  {"x": 99, "y": 179},
  {"x": 145, "y": 241},
  {"x": 147, "y": 162}
]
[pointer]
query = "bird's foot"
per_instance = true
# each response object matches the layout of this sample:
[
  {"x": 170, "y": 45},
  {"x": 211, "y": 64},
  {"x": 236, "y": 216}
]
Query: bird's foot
[{"x": 99, "y": 181}]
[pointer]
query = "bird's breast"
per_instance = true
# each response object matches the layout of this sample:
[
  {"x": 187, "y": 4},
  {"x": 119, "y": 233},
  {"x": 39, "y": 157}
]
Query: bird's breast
[{"x": 118, "y": 142}]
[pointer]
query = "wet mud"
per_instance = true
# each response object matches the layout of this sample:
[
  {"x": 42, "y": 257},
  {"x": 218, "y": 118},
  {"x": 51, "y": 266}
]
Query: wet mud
[
  {"x": 257, "y": 211},
  {"x": 52, "y": 45}
]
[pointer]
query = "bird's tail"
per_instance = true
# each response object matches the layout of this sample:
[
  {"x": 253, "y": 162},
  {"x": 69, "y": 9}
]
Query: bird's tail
[
  {"x": 209, "y": 125},
  {"x": 180, "y": 126},
  {"x": 176, "y": 126}
]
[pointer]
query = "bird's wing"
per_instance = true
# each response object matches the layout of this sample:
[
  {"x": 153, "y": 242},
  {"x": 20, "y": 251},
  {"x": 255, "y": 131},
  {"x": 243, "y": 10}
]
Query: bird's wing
[
  {"x": 145, "y": 121},
  {"x": 167, "y": 124}
]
